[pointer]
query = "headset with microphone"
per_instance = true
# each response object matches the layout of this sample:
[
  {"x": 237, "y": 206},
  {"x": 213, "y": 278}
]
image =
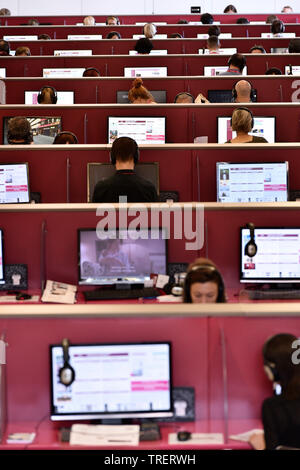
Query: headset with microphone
[
  {"x": 41, "y": 94},
  {"x": 251, "y": 247},
  {"x": 253, "y": 96},
  {"x": 66, "y": 373},
  {"x": 210, "y": 269},
  {"x": 136, "y": 153}
]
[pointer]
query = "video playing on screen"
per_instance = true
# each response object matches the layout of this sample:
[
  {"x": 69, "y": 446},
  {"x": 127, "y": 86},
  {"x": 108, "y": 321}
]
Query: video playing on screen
[
  {"x": 113, "y": 381},
  {"x": 218, "y": 70},
  {"x": 145, "y": 72},
  {"x": 277, "y": 258},
  {"x": 63, "y": 97},
  {"x": 263, "y": 127},
  {"x": 14, "y": 184},
  {"x": 44, "y": 129},
  {"x": 63, "y": 73},
  {"x": 144, "y": 130},
  {"x": 252, "y": 182},
  {"x": 112, "y": 259}
]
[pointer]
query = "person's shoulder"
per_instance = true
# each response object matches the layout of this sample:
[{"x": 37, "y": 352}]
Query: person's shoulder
[{"x": 259, "y": 139}]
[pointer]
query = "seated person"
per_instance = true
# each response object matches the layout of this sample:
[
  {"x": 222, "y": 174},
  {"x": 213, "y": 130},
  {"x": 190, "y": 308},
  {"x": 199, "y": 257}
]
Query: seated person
[
  {"x": 139, "y": 94},
  {"x": 113, "y": 35},
  {"x": 271, "y": 18},
  {"x": 203, "y": 283},
  {"x": 242, "y": 123},
  {"x": 184, "y": 97},
  {"x": 112, "y": 21},
  {"x": 277, "y": 28},
  {"x": 91, "y": 72},
  {"x": 22, "y": 51},
  {"x": 214, "y": 30},
  {"x": 287, "y": 9},
  {"x": 207, "y": 18},
  {"x": 213, "y": 45},
  {"x": 257, "y": 50},
  {"x": 143, "y": 46},
  {"x": 273, "y": 71},
  {"x": 280, "y": 413},
  {"x": 89, "y": 21},
  {"x": 19, "y": 131},
  {"x": 182, "y": 21},
  {"x": 241, "y": 92},
  {"x": 294, "y": 46},
  {"x": 65, "y": 137},
  {"x": 175, "y": 36},
  {"x": 236, "y": 65},
  {"x": 242, "y": 20},
  {"x": 33, "y": 22},
  {"x": 44, "y": 37},
  {"x": 230, "y": 10},
  {"x": 149, "y": 30},
  {"x": 47, "y": 95},
  {"x": 5, "y": 12},
  {"x": 124, "y": 155},
  {"x": 4, "y": 47}
]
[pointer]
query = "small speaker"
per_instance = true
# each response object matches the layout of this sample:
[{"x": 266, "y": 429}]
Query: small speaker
[
  {"x": 183, "y": 399},
  {"x": 16, "y": 277}
]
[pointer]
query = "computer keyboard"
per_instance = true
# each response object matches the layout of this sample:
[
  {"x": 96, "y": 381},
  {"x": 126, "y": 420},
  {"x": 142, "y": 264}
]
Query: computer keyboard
[
  {"x": 112, "y": 294},
  {"x": 271, "y": 294}
]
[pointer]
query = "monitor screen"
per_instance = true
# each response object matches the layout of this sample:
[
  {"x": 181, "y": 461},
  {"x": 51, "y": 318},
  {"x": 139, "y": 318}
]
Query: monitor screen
[
  {"x": 144, "y": 130},
  {"x": 221, "y": 36},
  {"x": 63, "y": 73},
  {"x": 14, "y": 183},
  {"x": 277, "y": 258},
  {"x": 2, "y": 279},
  {"x": 44, "y": 129},
  {"x": 113, "y": 381},
  {"x": 63, "y": 97},
  {"x": 263, "y": 127},
  {"x": 218, "y": 70},
  {"x": 77, "y": 52},
  {"x": 226, "y": 50},
  {"x": 153, "y": 52},
  {"x": 279, "y": 50},
  {"x": 20, "y": 38},
  {"x": 252, "y": 182},
  {"x": 282, "y": 35},
  {"x": 2, "y": 72},
  {"x": 132, "y": 72},
  {"x": 157, "y": 36},
  {"x": 160, "y": 96},
  {"x": 120, "y": 257},
  {"x": 101, "y": 171},
  {"x": 84, "y": 37},
  {"x": 292, "y": 70}
]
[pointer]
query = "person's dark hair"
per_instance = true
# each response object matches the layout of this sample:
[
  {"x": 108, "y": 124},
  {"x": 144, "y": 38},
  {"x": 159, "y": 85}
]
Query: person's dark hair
[
  {"x": 188, "y": 97},
  {"x": 22, "y": 50},
  {"x": 214, "y": 30},
  {"x": 259, "y": 48},
  {"x": 138, "y": 91},
  {"x": 175, "y": 35},
  {"x": 111, "y": 34},
  {"x": 65, "y": 137},
  {"x": 242, "y": 20},
  {"x": 124, "y": 149},
  {"x": 278, "y": 350},
  {"x": 213, "y": 42},
  {"x": 294, "y": 46},
  {"x": 44, "y": 36},
  {"x": 237, "y": 60},
  {"x": 91, "y": 72},
  {"x": 203, "y": 270},
  {"x": 182, "y": 21},
  {"x": 271, "y": 18},
  {"x": 207, "y": 18},
  {"x": 33, "y": 22},
  {"x": 230, "y": 8},
  {"x": 273, "y": 71},
  {"x": 19, "y": 129},
  {"x": 4, "y": 47},
  {"x": 47, "y": 95},
  {"x": 277, "y": 27},
  {"x": 5, "y": 12},
  {"x": 143, "y": 46}
]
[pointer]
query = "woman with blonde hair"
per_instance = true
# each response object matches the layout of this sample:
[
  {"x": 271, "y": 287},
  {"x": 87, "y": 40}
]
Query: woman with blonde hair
[
  {"x": 139, "y": 94},
  {"x": 242, "y": 122}
]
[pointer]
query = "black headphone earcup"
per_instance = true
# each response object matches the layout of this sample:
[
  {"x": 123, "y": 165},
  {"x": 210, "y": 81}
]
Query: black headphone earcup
[{"x": 136, "y": 155}]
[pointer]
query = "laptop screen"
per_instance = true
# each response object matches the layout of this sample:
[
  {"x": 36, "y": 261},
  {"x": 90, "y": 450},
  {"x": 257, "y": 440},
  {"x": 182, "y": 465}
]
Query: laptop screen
[
  {"x": 144, "y": 130},
  {"x": 263, "y": 127},
  {"x": 14, "y": 183},
  {"x": 132, "y": 72},
  {"x": 63, "y": 97},
  {"x": 63, "y": 73}
]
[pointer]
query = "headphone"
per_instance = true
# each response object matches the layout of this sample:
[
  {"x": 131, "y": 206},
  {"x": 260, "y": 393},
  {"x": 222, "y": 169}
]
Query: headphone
[
  {"x": 89, "y": 69},
  {"x": 272, "y": 371},
  {"x": 136, "y": 154},
  {"x": 184, "y": 93},
  {"x": 40, "y": 95},
  {"x": 252, "y": 92},
  {"x": 242, "y": 108},
  {"x": 66, "y": 373},
  {"x": 66, "y": 133},
  {"x": 251, "y": 247},
  {"x": 230, "y": 60},
  {"x": 206, "y": 267}
]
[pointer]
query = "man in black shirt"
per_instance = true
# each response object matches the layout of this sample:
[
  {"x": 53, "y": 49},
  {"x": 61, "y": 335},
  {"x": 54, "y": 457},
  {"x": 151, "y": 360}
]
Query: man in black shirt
[{"x": 124, "y": 155}]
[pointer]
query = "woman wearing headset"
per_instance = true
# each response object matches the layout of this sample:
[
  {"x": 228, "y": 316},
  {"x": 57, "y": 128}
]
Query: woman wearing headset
[
  {"x": 281, "y": 413},
  {"x": 203, "y": 283},
  {"x": 242, "y": 123}
]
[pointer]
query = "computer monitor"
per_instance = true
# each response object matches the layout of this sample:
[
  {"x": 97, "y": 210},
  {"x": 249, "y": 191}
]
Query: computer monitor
[
  {"x": 143, "y": 72},
  {"x": 218, "y": 70},
  {"x": 224, "y": 96},
  {"x": 264, "y": 126},
  {"x": 292, "y": 69},
  {"x": 279, "y": 50},
  {"x": 157, "y": 36},
  {"x": 153, "y": 52},
  {"x": 120, "y": 257},
  {"x": 63, "y": 97},
  {"x": 160, "y": 96},
  {"x": 84, "y": 37},
  {"x": 14, "y": 183},
  {"x": 2, "y": 72},
  {"x": 224, "y": 50},
  {"x": 101, "y": 171},
  {"x": 144, "y": 130},
  {"x": 277, "y": 259},
  {"x": 157, "y": 23},
  {"x": 44, "y": 129},
  {"x": 63, "y": 73},
  {"x": 252, "y": 182},
  {"x": 282, "y": 35},
  {"x": 2, "y": 278},
  {"x": 20, "y": 38},
  {"x": 221, "y": 36},
  {"x": 77, "y": 52},
  {"x": 113, "y": 381}
]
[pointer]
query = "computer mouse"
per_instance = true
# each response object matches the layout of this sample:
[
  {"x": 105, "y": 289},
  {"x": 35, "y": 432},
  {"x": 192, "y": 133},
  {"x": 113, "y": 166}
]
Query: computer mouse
[
  {"x": 183, "y": 435},
  {"x": 23, "y": 296}
]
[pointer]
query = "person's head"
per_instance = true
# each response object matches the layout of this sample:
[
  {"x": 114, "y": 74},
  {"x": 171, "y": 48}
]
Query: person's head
[
  {"x": 273, "y": 71},
  {"x": 237, "y": 61},
  {"x": 91, "y": 72},
  {"x": 175, "y": 36},
  {"x": 4, "y": 47},
  {"x": 242, "y": 20},
  {"x": 242, "y": 120},
  {"x": 257, "y": 49},
  {"x": 207, "y": 18},
  {"x": 203, "y": 283},
  {"x": 112, "y": 21},
  {"x": 287, "y": 9},
  {"x": 33, "y": 22},
  {"x": 278, "y": 364},
  {"x": 139, "y": 94},
  {"x": 5, "y": 12},
  {"x": 241, "y": 91},
  {"x": 271, "y": 18},
  {"x": 184, "y": 97},
  {"x": 47, "y": 95},
  {"x": 143, "y": 46},
  {"x": 230, "y": 9},
  {"x": 294, "y": 46},
  {"x": 124, "y": 152},
  {"x": 89, "y": 21},
  {"x": 22, "y": 51},
  {"x": 113, "y": 35},
  {"x": 213, "y": 43},
  {"x": 182, "y": 21},
  {"x": 65, "y": 137},
  {"x": 214, "y": 30},
  {"x": 277, "y": 27},
  {"x": 45, "y": 37},
  {"x": 19, "y": 131},
  {"x": 149, "y": 30}
]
